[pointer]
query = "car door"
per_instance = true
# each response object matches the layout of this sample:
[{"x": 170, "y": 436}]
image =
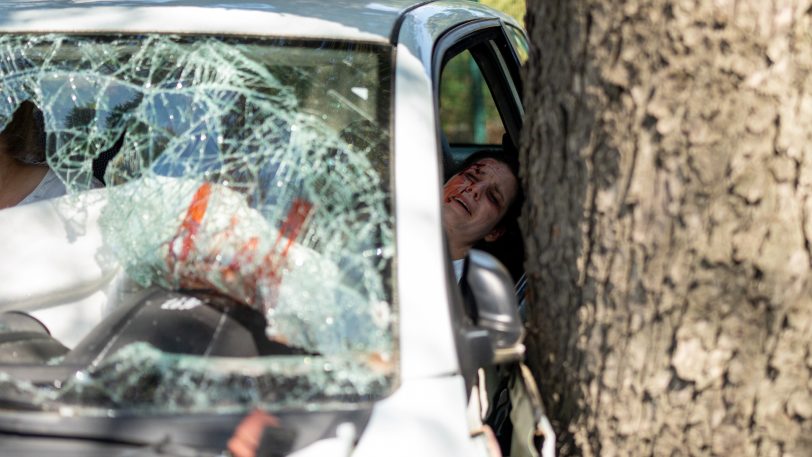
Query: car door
[
  {"x": 477, "y": 86},
  {"x": 478, "y": 96}
]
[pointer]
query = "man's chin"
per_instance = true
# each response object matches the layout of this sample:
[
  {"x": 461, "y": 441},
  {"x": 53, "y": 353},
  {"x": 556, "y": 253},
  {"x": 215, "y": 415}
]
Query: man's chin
[
  {"x": 455, "y": 216},
  {"x": 460, "y": 208}
]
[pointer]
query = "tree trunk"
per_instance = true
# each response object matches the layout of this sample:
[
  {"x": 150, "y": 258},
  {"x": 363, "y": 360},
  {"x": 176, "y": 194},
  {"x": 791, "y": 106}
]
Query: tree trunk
[{"x": 667, "y": 155}]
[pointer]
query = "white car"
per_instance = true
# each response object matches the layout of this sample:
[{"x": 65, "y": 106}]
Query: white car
[{"x": 248, "y": 255}]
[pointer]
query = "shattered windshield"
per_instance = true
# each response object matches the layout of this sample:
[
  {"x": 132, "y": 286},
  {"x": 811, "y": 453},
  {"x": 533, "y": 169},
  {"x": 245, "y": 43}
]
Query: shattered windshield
[{"x": 219, "y": 236}]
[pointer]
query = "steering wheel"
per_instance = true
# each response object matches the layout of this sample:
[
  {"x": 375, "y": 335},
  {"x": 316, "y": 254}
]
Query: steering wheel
[{"x": 200, "y": 323}]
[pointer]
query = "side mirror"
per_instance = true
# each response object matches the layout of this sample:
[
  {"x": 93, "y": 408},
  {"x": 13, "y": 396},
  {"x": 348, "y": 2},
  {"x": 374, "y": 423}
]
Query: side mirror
[{"x": 495, "y": 307}]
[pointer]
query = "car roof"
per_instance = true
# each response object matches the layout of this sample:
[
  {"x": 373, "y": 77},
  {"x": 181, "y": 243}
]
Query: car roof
[{"x": 351, "y": 19}]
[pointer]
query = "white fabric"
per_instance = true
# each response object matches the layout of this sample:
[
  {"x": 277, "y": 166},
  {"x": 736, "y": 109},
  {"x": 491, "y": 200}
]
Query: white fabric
[
  {"x": 458, "y": 266},
  {"x": 55, "y": 256},
  {"x": 67, "y": 317},
  {"x": 49, "y": 187}
]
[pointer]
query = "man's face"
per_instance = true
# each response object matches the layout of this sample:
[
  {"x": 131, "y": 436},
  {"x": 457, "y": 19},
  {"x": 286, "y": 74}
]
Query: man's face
[{"x": 476, "y": 199}]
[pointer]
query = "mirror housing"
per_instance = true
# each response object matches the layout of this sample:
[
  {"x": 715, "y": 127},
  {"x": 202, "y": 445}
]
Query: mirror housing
[{"x": 495, "y": 309}]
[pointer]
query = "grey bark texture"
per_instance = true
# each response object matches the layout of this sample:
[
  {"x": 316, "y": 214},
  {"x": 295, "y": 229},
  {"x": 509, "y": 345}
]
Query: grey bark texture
[{"x": 667, "y": 158}]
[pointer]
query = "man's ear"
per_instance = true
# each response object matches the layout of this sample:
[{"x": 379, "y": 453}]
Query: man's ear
[{"x": 495, "y": 234}]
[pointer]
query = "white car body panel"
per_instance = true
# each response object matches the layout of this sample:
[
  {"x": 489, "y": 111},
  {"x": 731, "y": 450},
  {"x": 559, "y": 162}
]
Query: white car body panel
[
  {"x": 356, "y": 20},
  {"x": 426, "y": 413},
  {"x": 422, "y": 418},
  {"x": 187, "y": 19},
  {"x": 426, "y": 344}
]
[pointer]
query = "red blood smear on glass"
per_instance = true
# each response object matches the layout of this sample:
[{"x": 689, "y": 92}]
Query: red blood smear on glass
[
  {"x": 191, "y": 222},
  {"x": 291, "y": 226}
]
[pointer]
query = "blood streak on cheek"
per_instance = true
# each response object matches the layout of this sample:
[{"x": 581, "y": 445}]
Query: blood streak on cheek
[
  {"x": 457, "y": 185},
  {"x": 454, "y": 187}
]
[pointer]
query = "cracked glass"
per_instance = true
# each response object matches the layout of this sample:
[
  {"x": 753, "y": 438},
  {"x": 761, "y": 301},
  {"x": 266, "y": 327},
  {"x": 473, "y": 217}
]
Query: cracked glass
[{"x": 226, "y": 210}]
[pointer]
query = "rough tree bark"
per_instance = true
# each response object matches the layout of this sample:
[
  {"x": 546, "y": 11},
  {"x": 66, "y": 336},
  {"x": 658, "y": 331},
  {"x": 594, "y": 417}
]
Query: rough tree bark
[{"x": 668, "y": 160}]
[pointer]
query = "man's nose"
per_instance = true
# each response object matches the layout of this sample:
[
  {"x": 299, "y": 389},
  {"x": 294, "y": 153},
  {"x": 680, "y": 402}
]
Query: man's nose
[{"x": 476, "y": 190}]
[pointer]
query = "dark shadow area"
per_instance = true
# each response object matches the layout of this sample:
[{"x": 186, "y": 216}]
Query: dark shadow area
[
  {"x": 566, "y": 159},
  {"x": 104, "y": 158},
  {"x": 24, "y": 134}
]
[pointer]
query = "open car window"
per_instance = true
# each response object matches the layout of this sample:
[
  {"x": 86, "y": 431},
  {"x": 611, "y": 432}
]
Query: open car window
[
  {"x": 479, "y": 101},
  {"x": 480, "y": 110},
  {"x": 468, "y": 114},
  {"x": 248, "y": 177}
]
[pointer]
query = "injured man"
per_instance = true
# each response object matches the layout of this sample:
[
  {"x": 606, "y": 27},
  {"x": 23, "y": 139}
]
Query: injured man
[{"x": 479, "y": 202}]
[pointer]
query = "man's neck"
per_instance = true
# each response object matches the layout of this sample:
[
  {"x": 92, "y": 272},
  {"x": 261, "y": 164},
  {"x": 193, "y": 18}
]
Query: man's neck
[{"x": 458, "y": 252}]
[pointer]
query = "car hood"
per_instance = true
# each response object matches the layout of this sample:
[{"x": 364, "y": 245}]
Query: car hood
[
  {"x": 36, "y": 433},
  {"x": 370, "y": 21}
]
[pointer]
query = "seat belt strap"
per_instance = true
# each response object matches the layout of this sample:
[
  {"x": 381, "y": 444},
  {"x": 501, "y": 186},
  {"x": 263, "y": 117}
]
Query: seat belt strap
[{"x": 527, "y": 415}]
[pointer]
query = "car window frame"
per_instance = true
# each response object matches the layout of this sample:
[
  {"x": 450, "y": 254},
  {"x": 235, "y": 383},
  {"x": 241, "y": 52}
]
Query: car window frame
[
  {"x": 493, "y": 52},
  {"x": 517, "y": 32},
  {"x": 454, "y": 41}
]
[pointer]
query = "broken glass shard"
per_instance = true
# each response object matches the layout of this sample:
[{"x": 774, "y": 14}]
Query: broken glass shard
[{"x": 254, "y": 170}]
